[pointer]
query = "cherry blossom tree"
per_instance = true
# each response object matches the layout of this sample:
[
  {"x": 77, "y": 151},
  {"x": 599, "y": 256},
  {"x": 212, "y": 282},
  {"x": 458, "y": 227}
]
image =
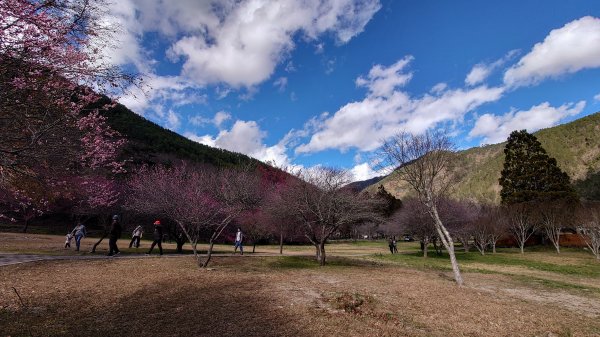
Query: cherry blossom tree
[
  {"x": 202, "y": 200},
  {"x": 51, "y": 70}
]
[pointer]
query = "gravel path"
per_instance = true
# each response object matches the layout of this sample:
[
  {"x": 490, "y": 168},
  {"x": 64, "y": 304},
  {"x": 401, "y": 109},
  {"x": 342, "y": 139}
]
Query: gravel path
[{"x": 9, "y": 259}]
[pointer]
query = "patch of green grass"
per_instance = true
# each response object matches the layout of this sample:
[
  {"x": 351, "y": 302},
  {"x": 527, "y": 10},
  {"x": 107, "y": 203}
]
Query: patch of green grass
[
  {"x": 305, "y": 262},
  {"x": 554, "y": 284}
]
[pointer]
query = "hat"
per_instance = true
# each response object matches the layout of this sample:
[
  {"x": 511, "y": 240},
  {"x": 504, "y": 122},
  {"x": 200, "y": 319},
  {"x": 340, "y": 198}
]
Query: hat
[
  {"x": 115, "y": 217},
  {"x": 157, "y": 222}
]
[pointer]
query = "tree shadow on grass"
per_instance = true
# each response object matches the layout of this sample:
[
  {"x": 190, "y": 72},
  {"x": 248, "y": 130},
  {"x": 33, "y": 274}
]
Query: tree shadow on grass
[
  {"x": 206, "y": 306},
  {"x": 228, "y": 309}
]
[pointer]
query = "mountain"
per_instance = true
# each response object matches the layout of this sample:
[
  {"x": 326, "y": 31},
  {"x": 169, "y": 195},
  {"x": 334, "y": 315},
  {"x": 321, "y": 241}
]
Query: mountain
[
  {"x": 575, "y": 145},
  {"x": 149, "y": 143}
]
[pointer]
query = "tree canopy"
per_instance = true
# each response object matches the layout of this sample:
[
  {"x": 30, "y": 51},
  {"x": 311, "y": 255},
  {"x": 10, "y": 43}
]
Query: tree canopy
[{"x": 530, "y": 174}]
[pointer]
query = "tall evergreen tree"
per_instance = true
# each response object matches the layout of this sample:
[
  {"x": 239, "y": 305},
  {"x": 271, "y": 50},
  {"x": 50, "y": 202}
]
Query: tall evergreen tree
[{"x": 529, "y": 174}]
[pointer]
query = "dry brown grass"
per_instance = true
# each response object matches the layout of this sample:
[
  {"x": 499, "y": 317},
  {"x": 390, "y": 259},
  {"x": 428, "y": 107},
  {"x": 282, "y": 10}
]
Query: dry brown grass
[
  {"x": 252, "y": 296},
  {"x": 289, "y": 296}
]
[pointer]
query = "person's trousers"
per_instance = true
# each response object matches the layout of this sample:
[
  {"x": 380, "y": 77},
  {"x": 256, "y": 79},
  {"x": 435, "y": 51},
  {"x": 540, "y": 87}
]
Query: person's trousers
[
  {"x": 238, "y": 244},
  {"x": 112, "y": 246},
  {"x": 155, "y": 242},
  {"x": 78, "y": 241},
  {"x": 135, "y": 241}
]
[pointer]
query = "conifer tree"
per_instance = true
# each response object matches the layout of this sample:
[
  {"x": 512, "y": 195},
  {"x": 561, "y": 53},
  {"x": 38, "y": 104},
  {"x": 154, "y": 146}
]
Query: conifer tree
[{"x": 529, "y": 174}]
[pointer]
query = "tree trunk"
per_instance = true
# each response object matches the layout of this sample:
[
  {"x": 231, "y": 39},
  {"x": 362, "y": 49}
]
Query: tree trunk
[
  {"x": 425, "y": 250},
  {"x": 494, "y": 247},
  {"x": 281, "y": 243},
  {"x": 446, "y": 239},
  {"x": 26, "y": 226},
  {"x": 208, "y": 254},
  {"x": 104, "y": 235},
  {"x": 180, "y": 244},
  {"x": 318, "y": 252},
  {"x": 254, "y": 247},
  {"x": 322, "y": 253}
]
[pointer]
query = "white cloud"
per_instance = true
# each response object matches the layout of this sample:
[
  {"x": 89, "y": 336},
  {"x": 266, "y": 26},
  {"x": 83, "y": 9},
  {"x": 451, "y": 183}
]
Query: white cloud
[
  {"x": 597, "y": 97},
  {"x": 568, "y": 49},
  {"x": 158, "y": 90},
  {"x": 220, "y": 117},
  {"x": 495, "y": 129},
  {"x": 438, "y": 88},
  {"x": 478, "y": 74},
  {"x": 281, "y": 83},
  {"x": 240, "y": 43},
  {"x": 481, "y": 71},
  {"x": 363, "y": 172},
  {"x": 173, "y": 120},
  {"x": 386, "y": 110},
  {"x": 246, "y": 137}
]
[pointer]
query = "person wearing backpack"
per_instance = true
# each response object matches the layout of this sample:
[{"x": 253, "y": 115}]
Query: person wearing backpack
[
  {"x": 136, "y": 236},
  {"x": 157, "y": 236}
]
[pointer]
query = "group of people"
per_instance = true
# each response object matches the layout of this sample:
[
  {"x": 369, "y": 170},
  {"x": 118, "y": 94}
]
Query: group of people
[
  {"x": 136, "y": 236},
  {"x": 79, "y": 232}
]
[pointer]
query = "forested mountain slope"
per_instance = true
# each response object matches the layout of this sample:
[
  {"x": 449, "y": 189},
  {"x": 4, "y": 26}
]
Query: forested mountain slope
[{"x": 575, "y": 145}]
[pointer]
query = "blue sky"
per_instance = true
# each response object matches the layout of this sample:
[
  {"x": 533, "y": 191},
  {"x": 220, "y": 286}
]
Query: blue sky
[{"x": 323, "y": 82}]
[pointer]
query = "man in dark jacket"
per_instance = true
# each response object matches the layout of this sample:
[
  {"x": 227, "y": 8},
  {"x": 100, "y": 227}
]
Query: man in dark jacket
[
  {"x": 114, "y": 235},
  {"x": 157, "y": 236}
]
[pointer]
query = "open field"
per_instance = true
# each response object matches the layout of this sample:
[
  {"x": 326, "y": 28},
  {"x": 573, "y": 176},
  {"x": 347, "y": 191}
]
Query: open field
[{"x": 374, "y": 294}]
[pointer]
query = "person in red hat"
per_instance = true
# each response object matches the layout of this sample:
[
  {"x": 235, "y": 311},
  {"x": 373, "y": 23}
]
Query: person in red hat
[{"x": 157, "y": 236}]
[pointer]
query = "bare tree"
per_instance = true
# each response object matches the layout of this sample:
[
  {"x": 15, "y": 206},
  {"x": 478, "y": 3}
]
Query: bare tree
[
  {"x": 554, "y": 216},
  {"x": 413, "y": 219},
  {"x": 424, "y": 162},
  {"x": 521, "y": 223},
  {"x": 488, "y": 228},
  {"x": 320, "y": 201},
  {"x": 589, "y": 226}
]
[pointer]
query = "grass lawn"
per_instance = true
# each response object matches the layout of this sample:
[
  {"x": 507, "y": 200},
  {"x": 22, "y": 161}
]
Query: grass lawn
[{"x": 371, "y": 294}]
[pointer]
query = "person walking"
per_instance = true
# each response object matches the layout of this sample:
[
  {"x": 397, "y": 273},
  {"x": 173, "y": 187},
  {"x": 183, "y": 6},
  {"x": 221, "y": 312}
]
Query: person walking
[
  {"x": 157, "y": 236},
  {"x": 395, "y": 244},
  {"x": 114, "y": 235},
  {"x": 238, "y": 242},
  {"x": 79, "y": 232},
  {"x": 68, "y": 239},
  {"x": 391, "y": 245},
  {"x": 136, "y": 236}
]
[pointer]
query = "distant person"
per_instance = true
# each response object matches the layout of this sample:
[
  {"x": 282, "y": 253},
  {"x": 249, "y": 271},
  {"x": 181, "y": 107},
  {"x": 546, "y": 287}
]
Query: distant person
[
  {"x": 395, "y": 244},
  {"x": 79, "y": 232},
  {"x": 68, "y": 239},
  {"x": 136, "y": 235},
  {"x": 157, "y": 236},
  {"x": 114, "y": 235},
  {"x": 238, "y": 242},
  {"x": 391, "y": 245}
]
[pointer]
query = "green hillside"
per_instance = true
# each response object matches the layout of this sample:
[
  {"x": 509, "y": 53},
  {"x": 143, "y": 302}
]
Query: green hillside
[
  {"x": 575, "y": 145},
  {"x": 150, "y": 143}
]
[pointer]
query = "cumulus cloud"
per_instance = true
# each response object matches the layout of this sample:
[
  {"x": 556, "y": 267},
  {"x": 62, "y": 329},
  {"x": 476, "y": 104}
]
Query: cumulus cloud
[
  {"x": 240, "y": 43},
  {"x": 597, "y": 97},
  {"x": 495, "y": 129},
  {"x": 219, "y": 118},
  {"x": 248, "y": 138},
  {"x": 387, "y": 109},
  {"x": 481, "y": 71},
  {"x": 363, "y": 172},
  {"x": 568, "y": 49}
]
